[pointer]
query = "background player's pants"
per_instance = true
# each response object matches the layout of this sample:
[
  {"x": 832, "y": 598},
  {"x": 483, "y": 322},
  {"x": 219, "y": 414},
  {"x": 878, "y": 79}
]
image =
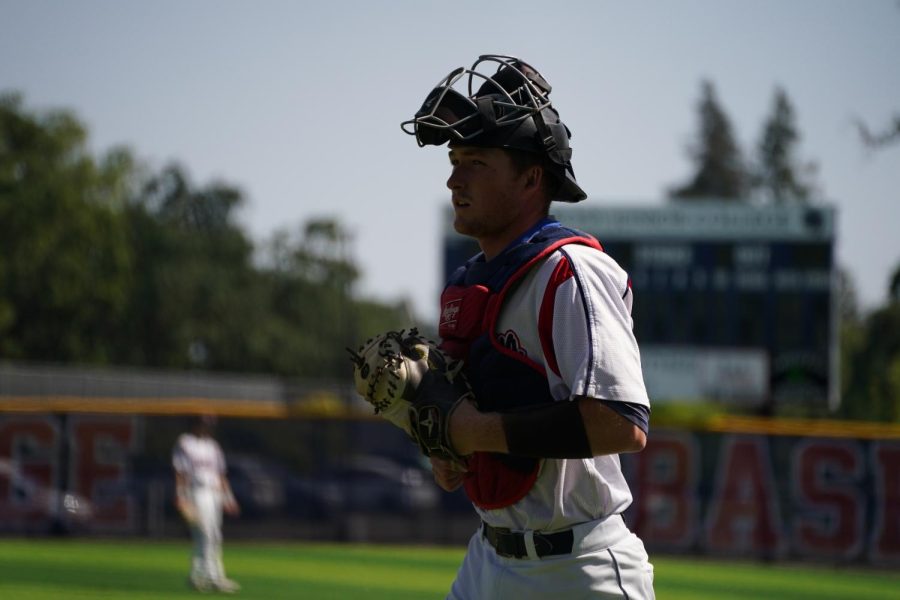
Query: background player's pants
[
  {"x": 607, "y": 561},
  {"x": 206, "y": 561}
]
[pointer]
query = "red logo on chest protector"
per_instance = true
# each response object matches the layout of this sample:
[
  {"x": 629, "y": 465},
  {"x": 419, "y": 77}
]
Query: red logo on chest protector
[{"x": 450, "y": 314}]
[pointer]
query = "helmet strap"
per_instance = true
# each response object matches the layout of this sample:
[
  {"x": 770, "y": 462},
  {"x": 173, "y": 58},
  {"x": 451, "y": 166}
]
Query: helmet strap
[
  {"x": 486, "y": 110},
  {"x": 554, "y": 139}
]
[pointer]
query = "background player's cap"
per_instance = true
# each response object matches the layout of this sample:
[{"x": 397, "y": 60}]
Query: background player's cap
[{"x": 510, "y": 109}]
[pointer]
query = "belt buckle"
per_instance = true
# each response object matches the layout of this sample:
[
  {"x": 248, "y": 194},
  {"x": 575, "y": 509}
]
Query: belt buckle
[
  {"x": 496, "y": 536},
  {"x": 543, "y": 546}
]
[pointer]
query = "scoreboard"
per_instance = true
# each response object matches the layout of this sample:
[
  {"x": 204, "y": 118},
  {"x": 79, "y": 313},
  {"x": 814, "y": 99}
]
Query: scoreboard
[{"x": 733, "y": 301}]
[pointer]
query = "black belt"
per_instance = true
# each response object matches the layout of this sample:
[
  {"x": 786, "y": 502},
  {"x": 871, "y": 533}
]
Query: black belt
[{"x": 511, "y": 544}]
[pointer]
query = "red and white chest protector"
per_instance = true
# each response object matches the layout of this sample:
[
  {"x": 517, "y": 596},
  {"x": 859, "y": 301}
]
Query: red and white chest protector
[
  {"x": 558, "y": 329},
  {"x": 502, "y": 377}
]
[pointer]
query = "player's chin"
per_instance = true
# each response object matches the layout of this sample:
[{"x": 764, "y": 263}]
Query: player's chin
[{"x": 464, "y": 225}]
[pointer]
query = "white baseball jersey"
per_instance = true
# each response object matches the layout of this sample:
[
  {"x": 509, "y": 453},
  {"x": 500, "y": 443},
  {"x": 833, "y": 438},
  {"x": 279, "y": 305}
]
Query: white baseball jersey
[
  {"x": 571, "y": 315},
  {"x": 200, "y": 460}
]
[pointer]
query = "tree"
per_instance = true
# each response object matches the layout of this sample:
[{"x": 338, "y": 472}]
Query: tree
[
  {"x": 873, "y": 390},
  {"x": 202, "y": 302},
  {"x": 312, "y": 278},
  {"x": 778, "y": 175},
  {"x": 196, "y": 299},
  {"x": 720, "y": 173},
  {"x": 894, "y": 286},
  {"x": 870, "y": 360},
  {"x": 104, "y": 263},
  {"x": 65, "y": 261}
]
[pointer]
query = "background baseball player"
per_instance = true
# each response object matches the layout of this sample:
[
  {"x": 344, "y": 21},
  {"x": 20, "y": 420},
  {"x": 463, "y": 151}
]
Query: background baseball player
[
  {"x": 542, "y": 319},
  {"x": 202, "y": 493}
]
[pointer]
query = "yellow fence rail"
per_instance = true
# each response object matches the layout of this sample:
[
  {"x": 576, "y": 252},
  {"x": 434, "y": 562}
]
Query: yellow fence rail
[{"x": 326, "y": 405}]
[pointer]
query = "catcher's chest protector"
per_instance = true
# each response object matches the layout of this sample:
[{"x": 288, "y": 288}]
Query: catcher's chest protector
[{"x": 501, "y": 378}]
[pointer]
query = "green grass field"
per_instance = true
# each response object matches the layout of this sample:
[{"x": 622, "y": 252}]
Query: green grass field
[{"x": 40, "y": 569}]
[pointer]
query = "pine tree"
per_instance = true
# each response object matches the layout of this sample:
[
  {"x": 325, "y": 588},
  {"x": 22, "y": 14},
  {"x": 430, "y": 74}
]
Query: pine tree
[
  {"x": 720, "y": 173},
  {"x": 778, "y": 176}
]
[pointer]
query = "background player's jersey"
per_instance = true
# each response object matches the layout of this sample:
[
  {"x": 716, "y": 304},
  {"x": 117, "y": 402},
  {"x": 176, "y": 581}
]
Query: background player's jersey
[
  {"x": 583, "y": 339},
  {"x": 200, "y": 460}
]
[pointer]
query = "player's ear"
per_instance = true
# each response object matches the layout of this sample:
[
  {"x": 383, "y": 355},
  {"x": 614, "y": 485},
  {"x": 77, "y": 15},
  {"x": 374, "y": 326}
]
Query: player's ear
[{"x": 533, "y": 176}]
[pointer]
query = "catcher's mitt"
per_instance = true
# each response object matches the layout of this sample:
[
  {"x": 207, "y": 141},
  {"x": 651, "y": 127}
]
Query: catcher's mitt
[{"x": 414, "y": 385}]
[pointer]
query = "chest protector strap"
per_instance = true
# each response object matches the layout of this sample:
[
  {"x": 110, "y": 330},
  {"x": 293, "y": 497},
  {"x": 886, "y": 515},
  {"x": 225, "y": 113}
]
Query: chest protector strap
[{"x": 502, "y": 378}]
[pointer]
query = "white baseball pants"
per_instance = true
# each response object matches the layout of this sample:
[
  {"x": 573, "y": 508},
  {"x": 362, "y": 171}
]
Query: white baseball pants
[
  {"x": 607, "y": 561},
  {"x": 206, "y": 561}
]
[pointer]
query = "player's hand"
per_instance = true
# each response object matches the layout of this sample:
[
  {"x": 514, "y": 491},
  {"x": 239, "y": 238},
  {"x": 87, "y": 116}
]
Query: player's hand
[
  {"x": 187, "y": 510},
  {"x": 231, "y": 506},
  {"x": 411, "y": 382},
  {"x": 449, "y": 475}
]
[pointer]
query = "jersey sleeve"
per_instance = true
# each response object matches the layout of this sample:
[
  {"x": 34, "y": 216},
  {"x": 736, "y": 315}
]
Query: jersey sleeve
[
  {"x": 180, "y": 461},
  {"x": 596, "y": 353},
  {"x": 221, "y": 465}
]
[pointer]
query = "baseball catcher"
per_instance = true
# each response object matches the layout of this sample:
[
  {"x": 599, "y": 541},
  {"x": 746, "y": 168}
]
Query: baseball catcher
[
  {"x": 541, "y": 317},
  {"x": 414, "y": 385}
]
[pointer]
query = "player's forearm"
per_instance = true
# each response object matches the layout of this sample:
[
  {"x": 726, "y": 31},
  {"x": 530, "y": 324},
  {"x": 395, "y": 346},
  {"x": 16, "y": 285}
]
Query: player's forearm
[
  {"x": 578, "y": 429},
  {"x": 226, "y": 490},
  {"x": 181, "y": 488},
  {"x": 609, "y": 432},
  {"x": 474, "y": 431}
]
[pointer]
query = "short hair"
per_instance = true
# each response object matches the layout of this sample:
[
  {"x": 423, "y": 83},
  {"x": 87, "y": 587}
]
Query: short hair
[
  {"x": 207, "y": 420},
  {"x": 523, "y": 160}
]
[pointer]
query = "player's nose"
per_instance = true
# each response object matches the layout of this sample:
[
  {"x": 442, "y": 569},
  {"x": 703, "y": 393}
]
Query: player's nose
[{"x": 455, "y": 181}]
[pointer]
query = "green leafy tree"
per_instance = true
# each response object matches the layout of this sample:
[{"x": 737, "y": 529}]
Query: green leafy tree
[
  {"x": 871, "y": 361},
  {"x": 779, "y": 176},
  {"x": 65, "y": 262},
  {"x": 196, "y": 294},
  {"x": 202, "y": 302},
  {"x": 102, "y": 262},
  {"x": 312, "y": 278},
  {"x": 873, "y": 391},
  {"x": 719, "y": 170},
  {"x": 894, "y": 286},
  {"x": 851, "y": 332}
]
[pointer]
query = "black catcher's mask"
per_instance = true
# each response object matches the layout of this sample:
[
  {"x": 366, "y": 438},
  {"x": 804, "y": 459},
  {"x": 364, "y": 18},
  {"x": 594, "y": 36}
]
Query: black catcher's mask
[{"x": 509, "y": 109}]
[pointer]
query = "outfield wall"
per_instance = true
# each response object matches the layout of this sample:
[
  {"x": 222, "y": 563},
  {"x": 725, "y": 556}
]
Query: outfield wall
[
  {"x": 88, "y": 452},
  {"x": 769, "y": 496}
]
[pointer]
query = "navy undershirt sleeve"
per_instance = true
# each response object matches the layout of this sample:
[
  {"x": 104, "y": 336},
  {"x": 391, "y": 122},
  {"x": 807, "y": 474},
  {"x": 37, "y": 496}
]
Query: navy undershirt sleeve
[{"x": 637, "y": 414}]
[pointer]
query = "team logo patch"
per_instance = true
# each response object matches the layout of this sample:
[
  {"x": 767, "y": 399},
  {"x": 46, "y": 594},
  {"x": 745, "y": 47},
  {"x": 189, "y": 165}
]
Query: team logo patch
[{"x": 510, "y": 340}]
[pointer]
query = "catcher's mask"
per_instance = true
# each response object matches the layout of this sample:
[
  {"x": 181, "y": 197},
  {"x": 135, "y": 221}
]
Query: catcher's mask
[{"x": 509, "y": 109}]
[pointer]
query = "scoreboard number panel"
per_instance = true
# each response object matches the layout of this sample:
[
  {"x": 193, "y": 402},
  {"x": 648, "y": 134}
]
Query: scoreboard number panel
[{"x": 722, "y": 283}]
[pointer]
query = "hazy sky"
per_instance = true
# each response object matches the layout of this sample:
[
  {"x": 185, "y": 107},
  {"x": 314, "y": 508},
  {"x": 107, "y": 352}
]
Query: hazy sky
[{"x": 299, "y": 103}]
